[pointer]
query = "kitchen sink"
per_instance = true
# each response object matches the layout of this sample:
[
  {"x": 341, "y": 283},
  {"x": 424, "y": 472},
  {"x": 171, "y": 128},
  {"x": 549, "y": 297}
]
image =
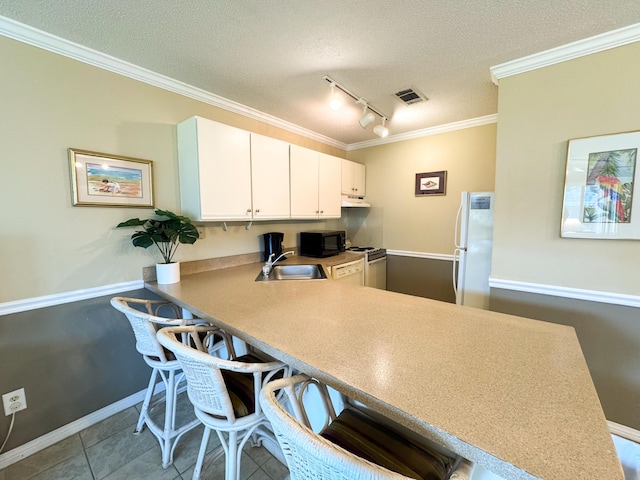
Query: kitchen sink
[{"x": 293, "y": 272}]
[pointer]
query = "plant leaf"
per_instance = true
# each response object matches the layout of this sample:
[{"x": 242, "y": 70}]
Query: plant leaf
[
  {"x": 132, "y": 222},
  {"x": 141, "y": 239}
]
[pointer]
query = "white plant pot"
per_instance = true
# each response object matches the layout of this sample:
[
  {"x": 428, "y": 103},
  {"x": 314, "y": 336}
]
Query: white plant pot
[{"x": 167, "y": 273}]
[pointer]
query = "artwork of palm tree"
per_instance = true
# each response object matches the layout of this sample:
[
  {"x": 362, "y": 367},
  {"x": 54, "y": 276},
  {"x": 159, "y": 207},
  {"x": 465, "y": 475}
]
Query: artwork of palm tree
[{"x": 609, "y": 186}]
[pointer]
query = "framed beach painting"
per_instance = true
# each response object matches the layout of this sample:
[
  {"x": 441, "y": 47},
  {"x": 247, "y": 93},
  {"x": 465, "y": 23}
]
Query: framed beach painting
[
  {"x": 431, "y": 183},
  {"x": 101, "y": 179},
  {"x": 601, "y": 188}
]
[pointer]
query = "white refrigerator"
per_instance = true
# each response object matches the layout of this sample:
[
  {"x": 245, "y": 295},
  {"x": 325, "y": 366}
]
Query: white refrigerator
[{"x": 473, "y": 246}]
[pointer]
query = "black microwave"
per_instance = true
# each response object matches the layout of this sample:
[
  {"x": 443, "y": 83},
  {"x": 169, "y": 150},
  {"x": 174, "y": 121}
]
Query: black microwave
[{"x": 322, "y": 243}]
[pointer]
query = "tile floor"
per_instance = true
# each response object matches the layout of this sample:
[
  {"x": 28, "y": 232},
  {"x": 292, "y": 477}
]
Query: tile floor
[{"x": 110, "y": 451}]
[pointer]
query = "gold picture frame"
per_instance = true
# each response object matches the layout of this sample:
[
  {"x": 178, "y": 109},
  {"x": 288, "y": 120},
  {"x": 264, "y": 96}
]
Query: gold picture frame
[{"x": 105, "y": 180}]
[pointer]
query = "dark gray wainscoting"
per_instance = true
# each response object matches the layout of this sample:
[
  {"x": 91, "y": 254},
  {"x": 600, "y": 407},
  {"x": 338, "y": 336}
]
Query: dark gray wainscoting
[
  {"x": 610, "y": 339},
  {"x": 423, "y": 277},
  {"x": 72, "y": 360}
]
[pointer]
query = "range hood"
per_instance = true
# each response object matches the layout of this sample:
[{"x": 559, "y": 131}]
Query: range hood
[{"x": 349, "y": 201}]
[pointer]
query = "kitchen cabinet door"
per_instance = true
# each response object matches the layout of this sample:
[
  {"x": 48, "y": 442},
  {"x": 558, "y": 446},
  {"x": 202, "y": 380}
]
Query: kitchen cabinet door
[
  {"x": 329, "y": 197},
  {"x": 269, "y": 178},
  {"x": 347, "y": 177},
  {"x": 358, "y": 178},
  {"x": 304, "y": 182},
  {"x": 353, "y": 178},
  {"x": 215, "y": 170}
]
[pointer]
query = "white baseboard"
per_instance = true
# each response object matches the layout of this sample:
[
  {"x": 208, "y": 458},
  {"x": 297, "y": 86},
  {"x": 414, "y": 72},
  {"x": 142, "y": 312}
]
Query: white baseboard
[
  {"x": 624, "y": 431},
  {"x": 431, "y": 256},
  {"x": 40, "y": 443},
  {"x": 67, "y": 297},
  {"x": 567, "y": 292}
]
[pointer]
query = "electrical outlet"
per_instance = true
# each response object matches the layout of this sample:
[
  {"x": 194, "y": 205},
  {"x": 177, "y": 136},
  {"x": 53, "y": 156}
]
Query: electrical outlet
[{"x": 14, "y": 401}]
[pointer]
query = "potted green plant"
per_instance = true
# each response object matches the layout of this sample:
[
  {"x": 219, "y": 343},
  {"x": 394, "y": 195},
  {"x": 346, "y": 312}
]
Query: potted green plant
[{"x": 166, "y": 234}]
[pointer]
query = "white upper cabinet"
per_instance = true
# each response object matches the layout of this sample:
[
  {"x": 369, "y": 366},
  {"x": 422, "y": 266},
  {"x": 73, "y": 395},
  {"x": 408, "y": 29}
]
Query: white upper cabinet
[
  {"x": 303, "y": 164},
  {"x": 215, "y": 170},
  {"x": 353, "y": 178},
  {"x": 315, "y": 184},
  {"x": 269, "y": 178},
  {"x": 228, "y": 174},
  {"x": 329, "y": 175}
]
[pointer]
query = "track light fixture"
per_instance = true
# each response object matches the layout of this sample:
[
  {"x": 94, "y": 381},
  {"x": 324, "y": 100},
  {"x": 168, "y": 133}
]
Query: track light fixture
[
  {"x": 381, "y": 130},
  {"x": 335, "y": 102}
]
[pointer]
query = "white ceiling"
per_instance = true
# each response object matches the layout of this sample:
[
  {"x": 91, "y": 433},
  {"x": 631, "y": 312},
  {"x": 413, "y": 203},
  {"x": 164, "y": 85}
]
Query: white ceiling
[{"x": 271, "y": 55}]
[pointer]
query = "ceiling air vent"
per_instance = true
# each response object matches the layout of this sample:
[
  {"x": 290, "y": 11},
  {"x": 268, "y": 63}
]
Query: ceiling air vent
[{"x": 409, "y": 96}]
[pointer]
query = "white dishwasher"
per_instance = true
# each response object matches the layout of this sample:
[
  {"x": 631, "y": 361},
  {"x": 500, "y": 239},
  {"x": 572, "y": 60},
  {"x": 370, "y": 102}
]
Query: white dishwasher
[{"x": 350, "y": 272}]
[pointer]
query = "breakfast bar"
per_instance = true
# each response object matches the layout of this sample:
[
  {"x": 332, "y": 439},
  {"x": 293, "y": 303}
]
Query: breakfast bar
[{"x": 508, "y": 393}]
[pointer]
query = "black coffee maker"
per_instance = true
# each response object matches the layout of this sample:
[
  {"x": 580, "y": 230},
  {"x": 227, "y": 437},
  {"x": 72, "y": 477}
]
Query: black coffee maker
[{"x": 273, "y": 245}]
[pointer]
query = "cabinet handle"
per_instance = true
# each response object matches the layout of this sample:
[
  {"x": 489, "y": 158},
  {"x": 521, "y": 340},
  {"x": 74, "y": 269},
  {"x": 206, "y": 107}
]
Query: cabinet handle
[
  {"x": 257, "y": 210},
  {"x": 317, "y": 211},
  {"x": 248, "y": 210},
  {"x": 321, "y": 211}
]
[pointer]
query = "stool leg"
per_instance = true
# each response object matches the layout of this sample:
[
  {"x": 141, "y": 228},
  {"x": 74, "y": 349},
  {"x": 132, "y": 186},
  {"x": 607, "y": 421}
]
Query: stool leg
[
  {"x": 203, "y": 449},
  {"x": 147, "y": 399},
  {"x": 232, "y": 467},
  {"x": 169, "y": 418}
]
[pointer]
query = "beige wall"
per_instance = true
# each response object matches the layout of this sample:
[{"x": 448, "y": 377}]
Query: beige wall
[
  {"x": 426, "y": 224},
  {"x": 539, "y": 112},
  {"x": 50, "y": 103}
]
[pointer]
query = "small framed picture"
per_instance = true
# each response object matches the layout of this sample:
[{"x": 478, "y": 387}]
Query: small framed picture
[
  {"x": 431, "y": 183},
  {"x": 104, "y": 180}
]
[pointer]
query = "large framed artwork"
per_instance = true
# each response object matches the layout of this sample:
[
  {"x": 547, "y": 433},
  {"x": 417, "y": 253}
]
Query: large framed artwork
[
  {"x": 601, "y": 188},
  {"x": 101, "y": 179}
]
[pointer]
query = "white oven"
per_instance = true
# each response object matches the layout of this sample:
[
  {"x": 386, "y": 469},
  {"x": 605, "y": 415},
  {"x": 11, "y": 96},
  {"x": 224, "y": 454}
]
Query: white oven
[
  {"x": 375, "y": 266},
  {"x": 375, "y": 269}
]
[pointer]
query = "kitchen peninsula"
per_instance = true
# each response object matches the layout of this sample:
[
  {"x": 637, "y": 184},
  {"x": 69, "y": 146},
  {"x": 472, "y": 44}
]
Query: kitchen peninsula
[{"x": 511, "y": 394}]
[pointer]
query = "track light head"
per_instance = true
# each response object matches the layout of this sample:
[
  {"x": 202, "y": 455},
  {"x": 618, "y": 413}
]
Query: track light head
[
  {"x": 367, "y": 117},
  {"x": 381, "y": 130}
]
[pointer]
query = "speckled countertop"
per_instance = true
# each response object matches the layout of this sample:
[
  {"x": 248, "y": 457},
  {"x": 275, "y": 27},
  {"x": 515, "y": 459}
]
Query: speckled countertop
[{"x": 509, "y": 393}]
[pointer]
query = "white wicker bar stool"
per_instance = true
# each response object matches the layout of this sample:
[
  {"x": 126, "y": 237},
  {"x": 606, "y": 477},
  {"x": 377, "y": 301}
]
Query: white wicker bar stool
[
  {"x": 145, "y": 322},
  {"x": 224, "y": 394},
  {"x": 352, "y": 445}
]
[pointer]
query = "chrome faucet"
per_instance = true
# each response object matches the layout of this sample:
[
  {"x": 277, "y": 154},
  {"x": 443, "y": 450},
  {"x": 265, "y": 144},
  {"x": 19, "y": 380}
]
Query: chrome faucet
[{"x": 266, "y": 269}]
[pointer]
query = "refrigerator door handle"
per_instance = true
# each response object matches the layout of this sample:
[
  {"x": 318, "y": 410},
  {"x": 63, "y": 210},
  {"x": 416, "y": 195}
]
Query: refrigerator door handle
[
  {"x": 456, "y": 234},
  {"x": 456, "y": 257}
]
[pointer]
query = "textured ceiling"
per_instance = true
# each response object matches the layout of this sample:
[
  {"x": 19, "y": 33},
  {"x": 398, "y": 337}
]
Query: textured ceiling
[{"x": 271, "y": 55}]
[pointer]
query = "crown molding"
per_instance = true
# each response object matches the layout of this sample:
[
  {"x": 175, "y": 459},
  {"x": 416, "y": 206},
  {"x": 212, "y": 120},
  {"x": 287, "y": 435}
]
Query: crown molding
[
  {"x": 37, "y": 38},
  {"x": 425, "y": 132},
  {"x": 32, "y": 36},
  {"x": 581, "y": 48}
]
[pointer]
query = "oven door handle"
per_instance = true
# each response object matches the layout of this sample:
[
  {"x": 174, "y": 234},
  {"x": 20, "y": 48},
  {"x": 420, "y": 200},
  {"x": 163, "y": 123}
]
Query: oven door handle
[{"x": 377, "y": 260}]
